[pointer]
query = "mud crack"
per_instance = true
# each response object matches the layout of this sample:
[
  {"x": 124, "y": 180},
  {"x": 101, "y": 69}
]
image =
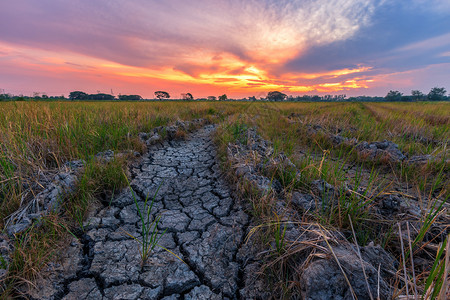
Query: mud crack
[{"x": 204, "y": 226}]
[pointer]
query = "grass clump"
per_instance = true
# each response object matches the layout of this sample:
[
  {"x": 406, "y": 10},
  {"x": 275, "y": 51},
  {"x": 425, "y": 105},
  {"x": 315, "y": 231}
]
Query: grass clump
[
  {"x": 98, "y": 181},
  {"x": 150, "y": 235},
  {"x": 10, "y": 188},
  {"x": 239, "y": 132},
  {"x": 33, "y": 249},
  {"x": 436, "y": 284}
]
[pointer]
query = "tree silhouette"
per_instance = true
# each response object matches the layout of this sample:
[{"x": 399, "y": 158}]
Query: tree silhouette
[
  {"x": 100, "y": 96},
  {"x": 276, "y": 96},
  {"x": 393, "y": 96},
  {"x": 437, "y": 94},
  {"x": 78, "y": 95},
  {"x": 187, "y": 96},
  {"x": 162, "y": 95},
  {"x": 417, "y": 95},
  {"x": 130, "y": 97},
  {"x": 223, "y": 97}
]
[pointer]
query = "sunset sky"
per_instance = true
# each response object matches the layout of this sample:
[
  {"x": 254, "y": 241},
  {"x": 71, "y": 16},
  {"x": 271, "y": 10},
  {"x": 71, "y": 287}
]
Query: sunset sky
[{"x": 210, "y": 47}]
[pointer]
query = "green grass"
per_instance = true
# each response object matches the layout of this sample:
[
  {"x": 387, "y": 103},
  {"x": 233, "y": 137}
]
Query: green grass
[
  {"x": 98, "y": 181},
  {"x": 436, "y": 285},
  {"x": 150, "y": 235}
]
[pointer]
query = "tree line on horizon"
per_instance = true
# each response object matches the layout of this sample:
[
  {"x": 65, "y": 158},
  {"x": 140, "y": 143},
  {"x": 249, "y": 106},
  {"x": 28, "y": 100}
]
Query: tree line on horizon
[{"x": 435, "y": 94}]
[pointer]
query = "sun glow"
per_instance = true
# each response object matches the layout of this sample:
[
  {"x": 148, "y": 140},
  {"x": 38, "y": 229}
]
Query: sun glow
[{"x": 222, "y": 71}]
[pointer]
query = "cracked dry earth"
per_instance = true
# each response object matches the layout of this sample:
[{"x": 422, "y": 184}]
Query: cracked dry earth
[{"x": 205, "y": 227}]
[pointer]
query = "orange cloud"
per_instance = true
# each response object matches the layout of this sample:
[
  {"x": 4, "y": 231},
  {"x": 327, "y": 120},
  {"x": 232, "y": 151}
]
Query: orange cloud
[{"x": 228, "y": 74}]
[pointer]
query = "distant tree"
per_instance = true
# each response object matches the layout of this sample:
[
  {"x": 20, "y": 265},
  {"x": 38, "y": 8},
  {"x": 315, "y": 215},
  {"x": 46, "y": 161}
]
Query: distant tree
[
  {"x": 162, "y": 95},
  {"x": 417, "y": 95},
  {"x": 406, "y": 98},
  {"x": 187, "y": 96},
  {"x": 252, "y": 98},
  {"x": 437, "y": 94},
  {"x": 212, "y": 98},
  {"x": 223, "y": 97},
  {"x": 77, "y": 95},
  {"x": 130, "y": 97},
  {"x": 44, "y": 96},
  {"x": 393, "y": 96},
  {"x": 100, "y": 96},
  {"x": 276, "y": 96},
  {"x": 5, "y": 97},
  {"x": 315, "y": 98}
]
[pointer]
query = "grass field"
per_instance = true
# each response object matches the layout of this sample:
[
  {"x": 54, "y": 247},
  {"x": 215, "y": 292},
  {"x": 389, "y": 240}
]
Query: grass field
[{"x": 39, "y": 137}]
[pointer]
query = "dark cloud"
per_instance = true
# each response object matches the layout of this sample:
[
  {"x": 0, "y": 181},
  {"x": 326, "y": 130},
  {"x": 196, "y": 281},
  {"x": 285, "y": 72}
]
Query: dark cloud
[{"x": 378, "y": 45}]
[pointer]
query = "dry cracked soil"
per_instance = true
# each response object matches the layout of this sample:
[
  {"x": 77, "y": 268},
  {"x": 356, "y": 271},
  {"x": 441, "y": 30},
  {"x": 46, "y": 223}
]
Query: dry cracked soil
[{"x": 204, "y": 225}]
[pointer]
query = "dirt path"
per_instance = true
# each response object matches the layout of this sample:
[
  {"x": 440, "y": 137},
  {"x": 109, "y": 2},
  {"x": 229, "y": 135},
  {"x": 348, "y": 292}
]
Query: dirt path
[{"x": 205, "y": 227}]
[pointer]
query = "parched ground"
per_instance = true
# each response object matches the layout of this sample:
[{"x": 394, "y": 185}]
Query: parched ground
[{"x": 205, "y": 226}]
